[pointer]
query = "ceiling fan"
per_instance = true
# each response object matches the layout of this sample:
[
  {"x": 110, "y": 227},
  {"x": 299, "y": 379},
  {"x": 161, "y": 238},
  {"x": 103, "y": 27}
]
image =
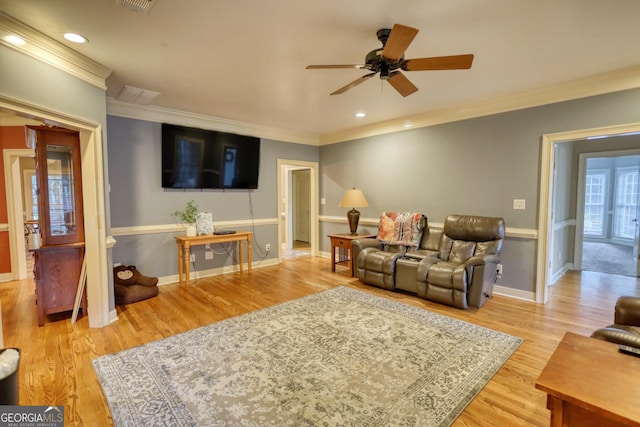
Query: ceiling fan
[{"x": 389, "y": 60}]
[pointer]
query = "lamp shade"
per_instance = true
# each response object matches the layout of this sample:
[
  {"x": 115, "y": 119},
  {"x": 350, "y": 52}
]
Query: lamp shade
[{"x": 353, "y": 198}]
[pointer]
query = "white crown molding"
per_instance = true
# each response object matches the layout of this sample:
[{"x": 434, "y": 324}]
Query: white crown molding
[
  {"x": 627, "y": 78},
  {"x": 52, "y": 52},
  {"x": 166, "y": 115}
]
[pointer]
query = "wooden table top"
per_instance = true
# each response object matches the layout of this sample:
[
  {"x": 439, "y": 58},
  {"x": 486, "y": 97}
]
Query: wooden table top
[
  {"x": 206, "y": 238},
  {"x": 594, "y": 375}
]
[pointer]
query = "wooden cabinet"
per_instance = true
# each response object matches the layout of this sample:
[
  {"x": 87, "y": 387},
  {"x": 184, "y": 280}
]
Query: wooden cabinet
[
  {"x": 342, "y": 243},
  {"x": 56, "y": 272},
  {"x": 58, "y": 262}
]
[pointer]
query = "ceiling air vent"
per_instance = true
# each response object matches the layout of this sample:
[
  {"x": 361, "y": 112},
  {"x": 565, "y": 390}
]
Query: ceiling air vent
[
  {"x": 135, "y": 95},
  {"x": 138, "y": 6}
]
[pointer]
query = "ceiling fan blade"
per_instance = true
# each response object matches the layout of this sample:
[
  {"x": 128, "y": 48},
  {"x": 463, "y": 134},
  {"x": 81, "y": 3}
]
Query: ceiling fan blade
[
  {"x": 402, "y": 84},
  {"x": 453, "y": 62},
  {"x": 354, "y": 83},
  {"x": 326, "y": 67},
  {"x": 399, "y": 40}
]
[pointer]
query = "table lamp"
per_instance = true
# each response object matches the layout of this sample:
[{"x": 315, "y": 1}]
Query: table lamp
[{"x": 355, "y": 199}]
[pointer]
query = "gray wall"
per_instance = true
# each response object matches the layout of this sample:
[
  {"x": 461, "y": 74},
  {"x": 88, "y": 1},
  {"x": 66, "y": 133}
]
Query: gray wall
[
  {"x": 476, "y": 166},
  {"x": 138, "y": 199}
]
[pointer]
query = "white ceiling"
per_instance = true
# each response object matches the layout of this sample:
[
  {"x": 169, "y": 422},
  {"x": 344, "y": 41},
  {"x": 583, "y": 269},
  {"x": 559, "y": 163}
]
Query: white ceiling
[{"x": 244, "y": 60}]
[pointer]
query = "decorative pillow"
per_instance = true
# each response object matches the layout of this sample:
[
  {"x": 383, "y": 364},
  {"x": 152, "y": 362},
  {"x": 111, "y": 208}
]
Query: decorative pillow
[{"x": 400, "y": 228}]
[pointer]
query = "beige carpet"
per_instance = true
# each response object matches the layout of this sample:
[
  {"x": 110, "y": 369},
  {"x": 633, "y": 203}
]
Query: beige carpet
[{"x": 608, "y": 258}]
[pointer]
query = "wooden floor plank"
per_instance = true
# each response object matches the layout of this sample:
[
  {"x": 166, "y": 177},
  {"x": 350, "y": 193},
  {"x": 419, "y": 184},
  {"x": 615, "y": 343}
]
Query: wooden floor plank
[{"x": 56, "y": 358}]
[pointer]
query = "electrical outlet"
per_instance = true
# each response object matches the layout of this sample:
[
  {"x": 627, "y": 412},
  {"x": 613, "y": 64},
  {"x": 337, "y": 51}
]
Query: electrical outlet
[
  {"x": 267, "y": 247},
  {"x": 499, "y": 269},
  {"x": 208, "y": 255},
  {"x": 192, "y": 257},
  {"x": 207, "y": 246}
]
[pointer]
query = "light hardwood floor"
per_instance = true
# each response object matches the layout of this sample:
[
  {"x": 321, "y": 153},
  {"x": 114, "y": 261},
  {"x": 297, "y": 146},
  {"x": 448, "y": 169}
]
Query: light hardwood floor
[{"x": 56, "y": 368}]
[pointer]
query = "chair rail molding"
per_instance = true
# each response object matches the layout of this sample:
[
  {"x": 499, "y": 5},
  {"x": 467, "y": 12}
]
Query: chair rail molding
[{"x": 511, "y": 232}]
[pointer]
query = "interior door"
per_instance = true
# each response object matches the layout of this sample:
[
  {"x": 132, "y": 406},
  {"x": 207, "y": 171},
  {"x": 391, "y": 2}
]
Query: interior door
[{"x": 301, "y": 205}]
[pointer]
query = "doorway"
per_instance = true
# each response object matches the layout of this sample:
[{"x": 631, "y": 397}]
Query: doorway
[
  {"x": 96, "y": 242},
  {"x": 607, "y": 212},
  {"x": 297, "y": 208},
  {"x": 546, "y": 211}
]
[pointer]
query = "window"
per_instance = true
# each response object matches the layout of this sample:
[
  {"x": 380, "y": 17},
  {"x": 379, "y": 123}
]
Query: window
[
  {"x": 595, "y": 203},
  {"x": 626, "y": 203}
]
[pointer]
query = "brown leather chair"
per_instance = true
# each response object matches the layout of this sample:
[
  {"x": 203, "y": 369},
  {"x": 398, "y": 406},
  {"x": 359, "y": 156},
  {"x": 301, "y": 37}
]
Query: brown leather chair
[
  {"x": 465, "y": 269},
  {"x": 626, "y": 327}
]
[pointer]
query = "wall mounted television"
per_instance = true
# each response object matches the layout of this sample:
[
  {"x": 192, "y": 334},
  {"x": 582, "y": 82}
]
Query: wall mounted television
[{"x": 198, "y": 158}]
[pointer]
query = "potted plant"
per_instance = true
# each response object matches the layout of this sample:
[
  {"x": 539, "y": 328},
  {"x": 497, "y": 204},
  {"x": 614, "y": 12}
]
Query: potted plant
[{"x": 188, "y": 216}]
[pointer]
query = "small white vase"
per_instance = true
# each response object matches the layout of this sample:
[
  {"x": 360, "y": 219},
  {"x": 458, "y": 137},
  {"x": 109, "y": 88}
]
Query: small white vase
[{"x": 191, "y": 230}]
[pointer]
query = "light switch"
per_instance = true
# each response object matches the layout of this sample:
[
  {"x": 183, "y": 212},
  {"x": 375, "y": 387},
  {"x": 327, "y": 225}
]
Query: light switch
[
  {"x": 323, "y": 201},
  {"x": 518, "y": 204}
]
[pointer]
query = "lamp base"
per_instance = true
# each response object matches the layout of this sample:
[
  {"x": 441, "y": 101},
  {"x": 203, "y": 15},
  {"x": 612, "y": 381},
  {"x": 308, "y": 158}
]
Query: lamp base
[{"x": 354, "y": 217}]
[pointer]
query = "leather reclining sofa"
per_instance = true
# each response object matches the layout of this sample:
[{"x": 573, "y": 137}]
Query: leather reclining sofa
[{"x": 456, "y": 266}]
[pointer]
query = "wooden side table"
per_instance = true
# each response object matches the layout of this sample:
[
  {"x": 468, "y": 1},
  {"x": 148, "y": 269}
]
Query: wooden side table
[
  {"x": 342, "y": 242},
  {"x": 590, "y": 384},
  {"x": 185, "y": 242}
]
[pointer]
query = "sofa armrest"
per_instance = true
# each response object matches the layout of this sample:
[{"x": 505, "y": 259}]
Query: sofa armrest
[
  {"x": 627, "y": 311},
  {"x": 616, "y": 335},
  {"x": 423, "y": 268},
  {"x": 482, "y": 260},
  {"x": 357, "y": 245}
]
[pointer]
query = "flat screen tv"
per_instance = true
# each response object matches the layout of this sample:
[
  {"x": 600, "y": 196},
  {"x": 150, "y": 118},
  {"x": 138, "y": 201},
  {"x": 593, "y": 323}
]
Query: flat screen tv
[{"x": 198, "y": 158}]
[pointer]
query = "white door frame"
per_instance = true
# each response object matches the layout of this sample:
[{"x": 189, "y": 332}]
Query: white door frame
[
  {"x": 283, "y": 178},
  {"x": 93, "y": 201},
  {"x": 13, "y": 186},
  {"x": 545, "y": 209}
]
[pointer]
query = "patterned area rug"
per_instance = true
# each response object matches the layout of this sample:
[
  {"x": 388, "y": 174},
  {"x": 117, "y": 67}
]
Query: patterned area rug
[{"x": 336, "y": 358}]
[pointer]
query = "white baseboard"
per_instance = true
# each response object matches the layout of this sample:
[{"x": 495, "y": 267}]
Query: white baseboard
[
  {"x": 558, "y": 274},
  {"x": 113, "y": 316},
  {"x": 6, "y": 277},
  {"x": 199, "y": 274},
  {"x": 514, "y": 293}
]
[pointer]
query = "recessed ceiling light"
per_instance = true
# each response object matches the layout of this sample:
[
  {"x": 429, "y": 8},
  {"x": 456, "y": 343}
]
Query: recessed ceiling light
[
  {"x": 75, "y": 38},
  {"x": 360, "y": 114},
  {"x": 15, "y": 40}
]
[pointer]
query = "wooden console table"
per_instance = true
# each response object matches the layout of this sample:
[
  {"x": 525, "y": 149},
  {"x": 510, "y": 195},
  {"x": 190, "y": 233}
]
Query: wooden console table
[
  {"x": 184, "y": 245},
  {"x": 589, "y": 383},
  {"x": 342, "y": 242}
]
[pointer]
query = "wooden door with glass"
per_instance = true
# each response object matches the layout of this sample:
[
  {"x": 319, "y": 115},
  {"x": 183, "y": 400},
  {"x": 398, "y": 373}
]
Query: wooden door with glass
[{"x": 58, "y": 261}]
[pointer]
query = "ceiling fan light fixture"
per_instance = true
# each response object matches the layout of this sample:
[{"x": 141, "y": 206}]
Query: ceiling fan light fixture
[
  {"x": 384, "y": 71},
  {"x": 389, "y": 59}
]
